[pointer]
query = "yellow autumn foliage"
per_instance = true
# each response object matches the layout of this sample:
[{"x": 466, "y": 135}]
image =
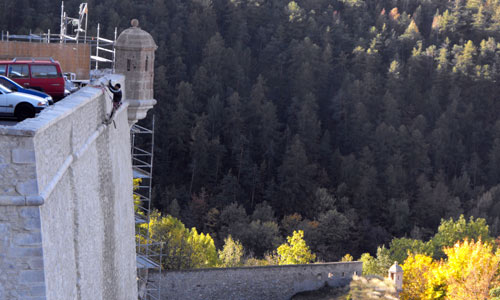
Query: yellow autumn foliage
[
  {"x": 137, "y": 199},
  {"x": 415, "y": 279},
  {"x": 471, "y": 270},
  {"x": 295, "y": 251},
  {"x": 468, "y": 273},
  {"x": 437, "y": 286}
]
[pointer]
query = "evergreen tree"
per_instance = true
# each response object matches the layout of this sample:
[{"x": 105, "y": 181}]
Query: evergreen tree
[
  {"x": 296, "y": 180},
  {"x": 378, "y": 110}
]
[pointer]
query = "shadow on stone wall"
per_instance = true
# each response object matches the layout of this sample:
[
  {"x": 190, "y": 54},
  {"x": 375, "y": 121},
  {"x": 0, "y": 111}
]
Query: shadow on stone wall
[{"x": 269, "y": 282}]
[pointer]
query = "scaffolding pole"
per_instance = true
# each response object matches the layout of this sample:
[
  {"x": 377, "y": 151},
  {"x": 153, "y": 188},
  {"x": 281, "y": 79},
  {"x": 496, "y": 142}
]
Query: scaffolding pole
[
  {"x": 149, "y": 255},
  {"x": 101, "y": 44}
]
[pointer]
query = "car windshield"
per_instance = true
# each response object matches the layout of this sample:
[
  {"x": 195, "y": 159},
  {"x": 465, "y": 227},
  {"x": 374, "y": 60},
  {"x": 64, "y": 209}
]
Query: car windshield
[
  {"x": 9, "y": 83},
  {"x": 4, "y": 90}
]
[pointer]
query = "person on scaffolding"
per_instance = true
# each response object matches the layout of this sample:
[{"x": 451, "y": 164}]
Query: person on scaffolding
[{"x": 117, "y": 98}]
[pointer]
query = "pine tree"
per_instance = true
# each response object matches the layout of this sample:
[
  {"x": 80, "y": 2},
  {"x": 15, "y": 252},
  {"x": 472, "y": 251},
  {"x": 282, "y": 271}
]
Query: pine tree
[
  {"x": 295, "y": 180},
  {"x": 199, "y": 161},
  {"x": 309, "y": 127}
]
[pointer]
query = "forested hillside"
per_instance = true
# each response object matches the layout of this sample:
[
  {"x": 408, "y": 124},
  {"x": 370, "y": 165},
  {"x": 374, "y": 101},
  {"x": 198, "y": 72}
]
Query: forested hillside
[{"x": 355, "y": 121}]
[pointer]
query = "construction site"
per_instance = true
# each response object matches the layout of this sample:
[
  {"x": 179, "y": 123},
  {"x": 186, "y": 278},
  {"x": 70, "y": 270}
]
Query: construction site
[{"x": 77, "y": 52}]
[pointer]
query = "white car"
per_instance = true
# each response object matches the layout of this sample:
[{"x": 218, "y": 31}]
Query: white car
[{"x": 19, "y": 105}]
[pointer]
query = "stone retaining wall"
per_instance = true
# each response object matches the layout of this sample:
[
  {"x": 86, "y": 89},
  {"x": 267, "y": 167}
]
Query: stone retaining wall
[{"x": 270, "y": 282}]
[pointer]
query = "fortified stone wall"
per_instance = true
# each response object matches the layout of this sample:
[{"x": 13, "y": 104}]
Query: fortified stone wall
[
  {"x": 66, "y": 208},
  {"x": 270, "y": 282},
  {"x": 72, "y": 57},
  {"x": 21, "y": 254}
]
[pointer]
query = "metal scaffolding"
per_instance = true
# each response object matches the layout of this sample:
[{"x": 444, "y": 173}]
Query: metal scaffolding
[
  {"x": 106, "y": 47},
  {"x": 148, "y": 254},
  {"x": 79, "y": 25},
  {"x": 74, "y": 30},
  {"x": 101, "y": 44}
]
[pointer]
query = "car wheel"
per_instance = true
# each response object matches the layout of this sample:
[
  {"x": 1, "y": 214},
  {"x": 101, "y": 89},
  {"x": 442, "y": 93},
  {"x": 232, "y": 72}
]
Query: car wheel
[{"x": 24, "y": 111}]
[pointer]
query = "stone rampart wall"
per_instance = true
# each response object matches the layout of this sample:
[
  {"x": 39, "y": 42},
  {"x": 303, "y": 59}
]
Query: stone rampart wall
[
  {"x": 252, "y": 283},
  {"x": 21, "y": 253},
  {"x": 66, "y": 205},
  {"x": 73, "y": 58}
]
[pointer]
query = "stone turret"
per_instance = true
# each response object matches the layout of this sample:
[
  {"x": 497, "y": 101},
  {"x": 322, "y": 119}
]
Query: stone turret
[
  {"x": 396, "y": 276},
  {"x": 135, "y": 56}
]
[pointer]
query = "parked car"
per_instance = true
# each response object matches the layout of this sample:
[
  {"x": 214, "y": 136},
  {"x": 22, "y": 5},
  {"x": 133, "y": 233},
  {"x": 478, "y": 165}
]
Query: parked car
[
  {"x": 19, "y": 105},
  {"x": 42, "y": 74},
  {"x": 15, "y": 87}
]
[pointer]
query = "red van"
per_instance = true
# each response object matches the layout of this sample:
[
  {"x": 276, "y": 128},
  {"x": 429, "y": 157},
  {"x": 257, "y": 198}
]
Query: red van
[{"x": 43, "y": 74}]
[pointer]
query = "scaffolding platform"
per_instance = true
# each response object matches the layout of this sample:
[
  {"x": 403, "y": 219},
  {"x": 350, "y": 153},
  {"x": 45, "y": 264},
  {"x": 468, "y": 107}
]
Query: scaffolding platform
[
  {"x": 140, "y": 219},
  {"x": 143, "y": 262},
  {"x": 139, "y": 173}
]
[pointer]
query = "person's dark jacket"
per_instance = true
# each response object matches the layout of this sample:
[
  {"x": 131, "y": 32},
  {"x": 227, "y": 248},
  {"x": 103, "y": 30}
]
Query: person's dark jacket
[{"x": 117, "y": 93}]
